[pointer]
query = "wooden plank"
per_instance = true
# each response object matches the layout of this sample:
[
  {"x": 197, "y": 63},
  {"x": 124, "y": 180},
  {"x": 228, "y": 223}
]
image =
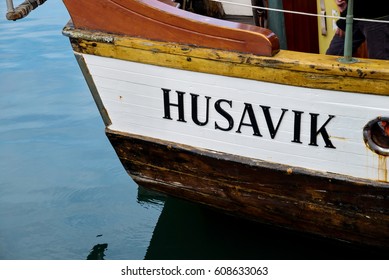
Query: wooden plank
[
  {"x": 291, "y": 68},
  {"x": 337, "y": 206}
]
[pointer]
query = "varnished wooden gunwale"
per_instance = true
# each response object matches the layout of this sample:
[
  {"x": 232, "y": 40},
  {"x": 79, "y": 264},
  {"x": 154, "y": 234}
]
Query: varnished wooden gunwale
[
  {"x": 155, "y": 20},
  {"x": 287, "y": 67},
  {"x": 337, "y": 207}
]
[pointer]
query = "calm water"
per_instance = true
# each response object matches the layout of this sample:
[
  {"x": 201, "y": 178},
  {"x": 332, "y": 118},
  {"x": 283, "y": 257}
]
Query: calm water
[{"x": 64, "y": 193}]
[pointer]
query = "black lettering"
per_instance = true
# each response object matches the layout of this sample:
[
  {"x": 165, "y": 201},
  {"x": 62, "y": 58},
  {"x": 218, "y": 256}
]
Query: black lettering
[
  {"x": 253, "y": 122},
  {"x": 248, "y": 118},
  {"x": 269, "y": 121},
  {"x": 322, "y": 131},
  {"x": 297, "y": 127},
  {"x": 167, "y": 104},
  {"x": 222, "y": 112},
  {"x": 195, "y": 116}
]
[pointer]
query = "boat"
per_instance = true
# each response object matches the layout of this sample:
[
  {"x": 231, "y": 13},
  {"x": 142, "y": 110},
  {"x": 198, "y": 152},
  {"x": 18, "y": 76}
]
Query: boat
[{"x": 215, "y": 112}]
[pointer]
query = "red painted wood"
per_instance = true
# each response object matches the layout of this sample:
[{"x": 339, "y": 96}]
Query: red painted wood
[{"x": 155, "y": 20}]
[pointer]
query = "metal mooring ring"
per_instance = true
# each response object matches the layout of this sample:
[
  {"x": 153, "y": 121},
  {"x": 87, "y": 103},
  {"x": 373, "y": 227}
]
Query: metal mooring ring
[{"x": 376, "y": 135}]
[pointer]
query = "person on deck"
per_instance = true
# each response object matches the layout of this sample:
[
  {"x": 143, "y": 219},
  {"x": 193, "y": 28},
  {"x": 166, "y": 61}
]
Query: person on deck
[{"x": 376, "y": 34}]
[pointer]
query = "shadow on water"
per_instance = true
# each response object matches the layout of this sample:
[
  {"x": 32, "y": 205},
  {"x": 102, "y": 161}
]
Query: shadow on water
[{"x": 189, "y": 231}]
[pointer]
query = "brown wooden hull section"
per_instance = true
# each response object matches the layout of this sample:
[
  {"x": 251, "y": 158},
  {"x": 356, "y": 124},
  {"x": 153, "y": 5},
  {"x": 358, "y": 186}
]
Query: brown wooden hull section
[
  {"x": 336, "y": 207},
  {"x": 152, "y": 19}
]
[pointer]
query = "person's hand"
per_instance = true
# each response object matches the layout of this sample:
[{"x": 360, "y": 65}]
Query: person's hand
[
  {"x": 340, "y": 32},
  {"x": 342, "y": 5}
]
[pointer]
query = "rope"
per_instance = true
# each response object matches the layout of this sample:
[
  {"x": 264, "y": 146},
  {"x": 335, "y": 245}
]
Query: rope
[
  {"x": 298, "y": 13},
  {"x": 23, "y": 9}
]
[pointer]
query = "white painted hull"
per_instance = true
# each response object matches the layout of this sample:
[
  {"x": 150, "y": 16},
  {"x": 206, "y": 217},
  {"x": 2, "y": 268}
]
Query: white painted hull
[{"x": 132, "y": 94}]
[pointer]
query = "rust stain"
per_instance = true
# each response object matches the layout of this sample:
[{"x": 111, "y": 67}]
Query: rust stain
[
  {"x": 339, "y": 138},
  {"x": 382, "y": 168}
]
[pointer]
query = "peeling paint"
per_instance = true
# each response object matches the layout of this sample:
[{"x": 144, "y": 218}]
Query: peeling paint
[{"x": 289, "y": 171}]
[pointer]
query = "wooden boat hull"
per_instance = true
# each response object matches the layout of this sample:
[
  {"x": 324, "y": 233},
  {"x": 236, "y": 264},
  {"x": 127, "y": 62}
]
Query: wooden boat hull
[
  {"x": 331, "y": 206},
  {"x": 315, "y": 129},
  {"x": 240, "y": 173},
  {"x": 284, "y": 139}
]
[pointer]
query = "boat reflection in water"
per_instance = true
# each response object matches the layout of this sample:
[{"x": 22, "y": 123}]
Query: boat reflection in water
[
  {"x": 98, "y": 252},
  {"x": 189, "y": 231}
]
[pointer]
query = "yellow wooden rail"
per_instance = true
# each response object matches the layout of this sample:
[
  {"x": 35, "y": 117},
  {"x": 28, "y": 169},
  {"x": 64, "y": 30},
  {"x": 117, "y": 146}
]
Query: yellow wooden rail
[{"x": 286, "y": 67}]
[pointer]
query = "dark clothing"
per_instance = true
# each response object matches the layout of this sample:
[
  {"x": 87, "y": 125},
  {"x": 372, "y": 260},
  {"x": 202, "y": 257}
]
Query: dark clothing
[
  {"x": 337, "y": 43},
  {"x": 362, "y": 10},
  {"x": 377, "y": 38},
  {"x": 375, "y": 34},
  {"x": 373, "y": 10}
]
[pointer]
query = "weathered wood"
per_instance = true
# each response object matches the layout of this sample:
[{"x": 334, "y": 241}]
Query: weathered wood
[
  {"x": 23, "y": 9},
  {"x": 155, "y": 20},
  {"x": 338, "y": 207},
  {"x": 287, "y": 67}
]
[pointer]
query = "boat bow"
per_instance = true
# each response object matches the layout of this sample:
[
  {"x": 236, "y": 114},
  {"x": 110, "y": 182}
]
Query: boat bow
[{"x": 155, "y": 20}]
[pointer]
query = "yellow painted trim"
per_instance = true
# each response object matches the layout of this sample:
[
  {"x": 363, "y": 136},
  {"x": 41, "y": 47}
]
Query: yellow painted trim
[
  {"x": 331, "y": 10},
  {"x": 287, "y": 67}
]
